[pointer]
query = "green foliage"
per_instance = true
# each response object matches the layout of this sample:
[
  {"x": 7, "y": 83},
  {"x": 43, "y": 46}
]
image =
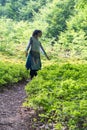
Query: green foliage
[
  {"x": 21, "y": 9},
  {"x": 78, "y": 21},
  {"x": 81, "y": 3},
  {"x": 59, "y": 13},
  {"x": 75, "y": 37},
  {"x": 63, "y": 21},
  {"x": 11, "y": 73},
  {"x": 13, "y": 34},
  {"x": 61, "y": 91}
]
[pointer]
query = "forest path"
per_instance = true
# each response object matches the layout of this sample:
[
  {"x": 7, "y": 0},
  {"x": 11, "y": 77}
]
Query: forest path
[{"x": 12, "y": 115}]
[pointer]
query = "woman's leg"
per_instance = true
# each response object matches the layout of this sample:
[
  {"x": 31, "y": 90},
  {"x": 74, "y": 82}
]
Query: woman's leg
[{"x": 33, "y": 73}]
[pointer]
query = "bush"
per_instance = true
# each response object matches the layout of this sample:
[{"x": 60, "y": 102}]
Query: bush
[
  {"x": 11, "y": 73},
  {"x": 61, "y": 92}
]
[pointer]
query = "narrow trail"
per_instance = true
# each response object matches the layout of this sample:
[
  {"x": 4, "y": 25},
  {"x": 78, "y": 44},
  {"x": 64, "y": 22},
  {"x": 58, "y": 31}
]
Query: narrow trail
[{"x": 12, "y": 115}]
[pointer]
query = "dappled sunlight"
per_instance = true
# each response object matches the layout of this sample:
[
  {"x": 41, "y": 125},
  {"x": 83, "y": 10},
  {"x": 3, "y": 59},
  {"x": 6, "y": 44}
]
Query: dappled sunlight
[{"x": 58, "y": 94}]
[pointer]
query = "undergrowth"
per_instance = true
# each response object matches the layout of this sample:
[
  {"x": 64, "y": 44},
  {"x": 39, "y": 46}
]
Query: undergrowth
[
  {"x": 11, "y": 73},
  {"x": 60, "y": 91}
]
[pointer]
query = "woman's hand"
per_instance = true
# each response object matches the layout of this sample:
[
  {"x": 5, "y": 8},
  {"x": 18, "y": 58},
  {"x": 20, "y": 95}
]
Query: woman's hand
[
  {"x": 48, "y": 58},
  {"x": 26, "y": 53}
]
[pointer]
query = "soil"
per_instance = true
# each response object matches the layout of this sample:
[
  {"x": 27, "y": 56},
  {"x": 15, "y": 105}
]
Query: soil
[{"x": 13, "y": 116}]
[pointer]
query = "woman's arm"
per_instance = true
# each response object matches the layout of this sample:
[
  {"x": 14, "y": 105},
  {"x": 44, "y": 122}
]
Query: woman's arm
[
  {"x": 44, "y": 52},
  {"x": 28, "y": 46}
]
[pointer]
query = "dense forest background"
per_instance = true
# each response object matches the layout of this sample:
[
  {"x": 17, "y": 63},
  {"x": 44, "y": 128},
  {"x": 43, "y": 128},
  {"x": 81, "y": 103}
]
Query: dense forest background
[
  {"x": 62, "y": 22},
  {"x": 62, "y": 86},
  {"x": 21, "y": 9}
]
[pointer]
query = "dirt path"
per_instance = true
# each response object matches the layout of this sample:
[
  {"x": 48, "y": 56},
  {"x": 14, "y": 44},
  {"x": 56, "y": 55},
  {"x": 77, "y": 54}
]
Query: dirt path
[
  {"x": 13, "y": 116},
  {"x": 11, "y": 112}
]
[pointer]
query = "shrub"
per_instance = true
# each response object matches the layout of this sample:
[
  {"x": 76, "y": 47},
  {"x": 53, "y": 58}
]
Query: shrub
[
  {"x": 61, "y": 92},
  {"x": 11, "y": 73}
]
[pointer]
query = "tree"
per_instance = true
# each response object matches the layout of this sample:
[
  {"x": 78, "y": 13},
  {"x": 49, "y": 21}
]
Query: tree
[
  {"x": 58, "y": 16},
  {"x": 3, "y": 2},
  {"x": 21, "y": 9}
]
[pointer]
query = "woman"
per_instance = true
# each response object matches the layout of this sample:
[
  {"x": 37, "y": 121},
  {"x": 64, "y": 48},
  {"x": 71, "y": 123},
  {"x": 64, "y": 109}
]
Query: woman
[{"x": 33, "y": 58}]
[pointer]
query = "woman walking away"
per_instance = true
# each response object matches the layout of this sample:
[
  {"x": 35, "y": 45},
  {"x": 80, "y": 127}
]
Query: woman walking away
[{"x": 33, "y": 57}]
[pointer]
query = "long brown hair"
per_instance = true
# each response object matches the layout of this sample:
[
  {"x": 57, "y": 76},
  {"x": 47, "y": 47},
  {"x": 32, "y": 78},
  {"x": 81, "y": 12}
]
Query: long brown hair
[{"x": 35, "y": 33}]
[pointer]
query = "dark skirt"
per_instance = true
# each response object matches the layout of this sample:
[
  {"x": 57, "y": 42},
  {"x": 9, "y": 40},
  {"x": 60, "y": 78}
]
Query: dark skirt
[{"x": 33, "y": 61}]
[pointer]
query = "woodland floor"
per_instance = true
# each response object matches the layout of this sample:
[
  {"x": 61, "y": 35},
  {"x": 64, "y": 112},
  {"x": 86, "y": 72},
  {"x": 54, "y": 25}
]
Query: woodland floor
[{"x": 13, "y": 116}]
